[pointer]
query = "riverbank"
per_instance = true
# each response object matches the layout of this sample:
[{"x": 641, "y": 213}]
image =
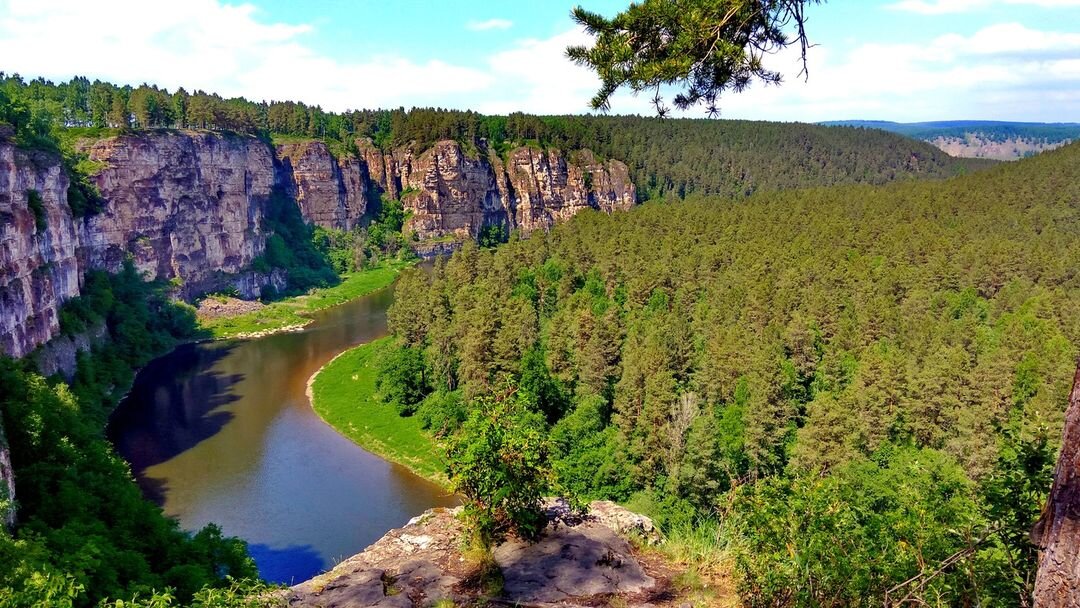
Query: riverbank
[
  {"x": 292, "y": 314},
  {"x": 342, "y": 393}
]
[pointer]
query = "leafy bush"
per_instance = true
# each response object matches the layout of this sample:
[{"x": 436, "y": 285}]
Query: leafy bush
[
  {"x": 402, "y": 379},
  {"x": 848, "y": 538},
  {"x": 499, "y": 460}
]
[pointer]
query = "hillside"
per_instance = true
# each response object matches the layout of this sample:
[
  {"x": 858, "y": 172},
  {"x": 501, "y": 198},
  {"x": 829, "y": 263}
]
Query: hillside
[
  {"x": 775, "y": 366},
  {"x": 980, "y": 138},
  {"x": 665, "y": 156}
]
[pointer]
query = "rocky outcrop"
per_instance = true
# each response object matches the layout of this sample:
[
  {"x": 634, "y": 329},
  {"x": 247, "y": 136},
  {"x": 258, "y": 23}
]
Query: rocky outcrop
[
  {"x": 1057, "y": 534},
  {"x": 188, "y": 207},
  {"x": 451, "y": 192},
  {"x": 7, "y": 483},
  {"x": 331, "y": 192},
  {"x": 578, "y": 560},
  {"x": 185, "y": 205},
  {"x": 39, "y": 268}
]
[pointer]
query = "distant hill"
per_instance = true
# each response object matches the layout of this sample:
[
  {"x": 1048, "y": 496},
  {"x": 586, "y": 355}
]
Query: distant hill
[{"x": 1000, "y": 140}]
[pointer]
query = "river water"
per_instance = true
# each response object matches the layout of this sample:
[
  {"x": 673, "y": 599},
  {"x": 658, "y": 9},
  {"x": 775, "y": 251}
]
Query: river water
[{"x": 223, "y": 432}]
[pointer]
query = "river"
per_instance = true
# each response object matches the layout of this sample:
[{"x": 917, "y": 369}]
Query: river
[{"x": 223, "y": 432}]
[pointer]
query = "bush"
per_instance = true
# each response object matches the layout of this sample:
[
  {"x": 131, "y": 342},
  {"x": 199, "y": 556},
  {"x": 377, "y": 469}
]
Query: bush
[
  {"x": 499, "y": 460},
  {"x": 847, "y": 538},
  {"x": 442, "y": 412},
  {"x": 402, "y": 379}
]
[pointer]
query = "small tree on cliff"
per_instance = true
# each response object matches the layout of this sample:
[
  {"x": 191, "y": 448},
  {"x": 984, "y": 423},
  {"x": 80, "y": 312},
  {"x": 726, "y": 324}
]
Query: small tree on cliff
[{"x": 499, "y": 461}]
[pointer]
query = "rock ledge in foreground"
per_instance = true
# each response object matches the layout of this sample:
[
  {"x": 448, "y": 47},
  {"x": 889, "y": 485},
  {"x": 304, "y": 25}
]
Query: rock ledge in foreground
[{"x": 578, "y": 560}]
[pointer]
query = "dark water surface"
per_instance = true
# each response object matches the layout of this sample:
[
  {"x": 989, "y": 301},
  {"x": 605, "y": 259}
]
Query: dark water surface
[{"x": 222, "y": 432}]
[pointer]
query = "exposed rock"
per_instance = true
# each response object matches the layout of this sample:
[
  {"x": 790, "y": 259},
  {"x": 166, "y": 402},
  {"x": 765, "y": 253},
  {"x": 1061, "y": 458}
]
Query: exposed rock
[
  {"x": 1057, "y": 534},
  {"x": 577, "y": 560},
  {"x": 975, "y": 145},
  {"x": 449, "y": 191},
  {"x": 7, "y": 483},
  {"x": 429, "y": 250},
  {"x": 215, "y": 308},
  {"x": 330, "y": 192},
  {"x": 186, "y": 205},
  {"x": 60, "y": 354},
  {"x": 39, "y": 268}
]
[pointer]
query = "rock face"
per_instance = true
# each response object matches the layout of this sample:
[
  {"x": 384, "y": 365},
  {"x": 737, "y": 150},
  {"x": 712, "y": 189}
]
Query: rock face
[
  {"x": 188, "y": 207},
  {"x": 330, "y": 192},
  {"x": 7, "y": 483},
  {"x": 577, "y": 560},
  {"x": 185, "y": 205},
  {"x": 1057, "y": 534},
  {"x": 39, "y": 268},
  {"x": 451, "y": 192}
]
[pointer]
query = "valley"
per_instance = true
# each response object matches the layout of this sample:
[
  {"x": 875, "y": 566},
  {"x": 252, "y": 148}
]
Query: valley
[{"x": 459, "y": 306}]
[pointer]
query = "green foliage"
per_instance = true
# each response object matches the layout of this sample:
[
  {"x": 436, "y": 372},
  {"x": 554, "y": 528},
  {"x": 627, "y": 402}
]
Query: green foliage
[
  {"x": 343, "y": 394},
  {"x": 695, "y": 347},
  {"x": 499, "y": 461},
  {"x": 402, "y": 380},
  {"x": 705, "y": 47},
  {"x": 37, "y": 207},
  {"x": 665, "y": 157},
  {"x": 493, "y": 235},
  {"x": 291, "y": 247},
  {"x": 442, "y": 412},
  {"x": 849, "y": 538},
  {"x": 86, "y": 532}
]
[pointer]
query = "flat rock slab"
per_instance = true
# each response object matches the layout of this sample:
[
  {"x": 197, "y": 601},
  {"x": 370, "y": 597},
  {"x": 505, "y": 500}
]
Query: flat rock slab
[
  {"x": 570, "y": 562},
  {"x": 576, "y": 558}
]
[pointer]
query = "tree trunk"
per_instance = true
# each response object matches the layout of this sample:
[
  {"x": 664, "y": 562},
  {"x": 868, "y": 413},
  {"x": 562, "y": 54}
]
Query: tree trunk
[{"x": 1057, "y": 533}]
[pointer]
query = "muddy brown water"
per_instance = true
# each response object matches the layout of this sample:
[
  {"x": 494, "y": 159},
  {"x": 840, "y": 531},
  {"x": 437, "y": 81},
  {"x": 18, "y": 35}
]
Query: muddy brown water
[{"x": 222, "y": 432}]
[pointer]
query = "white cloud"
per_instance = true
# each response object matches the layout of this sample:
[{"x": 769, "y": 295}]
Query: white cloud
[
  {"x": 941, "y": 7},
  {"x": 490, "y": 24},
  {"x": 1003, "y": 71},
  {"x": 203, "y": 44},
  {"x": 1007, "y": 70}
]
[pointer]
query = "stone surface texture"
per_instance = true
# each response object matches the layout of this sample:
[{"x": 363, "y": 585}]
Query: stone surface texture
[
  {"x": 1057, "y": 533},
  {"x": 579, "y": 560}
]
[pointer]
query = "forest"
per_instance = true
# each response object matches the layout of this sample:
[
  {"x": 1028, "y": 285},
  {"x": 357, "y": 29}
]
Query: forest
[
  {"x": 665, "y": 157},
  {"x": 855, "y": 393}
]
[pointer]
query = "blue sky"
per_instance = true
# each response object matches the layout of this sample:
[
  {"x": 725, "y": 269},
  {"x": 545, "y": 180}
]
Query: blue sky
[{"x": 903, "y": 60}]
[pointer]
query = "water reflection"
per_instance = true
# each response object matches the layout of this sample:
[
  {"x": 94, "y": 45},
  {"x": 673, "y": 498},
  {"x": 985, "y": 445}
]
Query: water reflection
[{"x": 223, "y": 433}]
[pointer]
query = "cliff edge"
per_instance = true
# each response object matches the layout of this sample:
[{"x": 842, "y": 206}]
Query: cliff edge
[{"x": 580, "y": 560}]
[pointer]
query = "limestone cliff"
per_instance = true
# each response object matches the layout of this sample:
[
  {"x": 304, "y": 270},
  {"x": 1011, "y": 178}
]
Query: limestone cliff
[
  {"x": 1057, "y": 534},
  {"x": 185, "y": 205},
  {"x": 331, "y": 192},
  {"x": 39, "y": 268},
  {"x": 450, "y": 191},
  {"x": 188, "y": 207},
  {"x": 7, "y": 483}
]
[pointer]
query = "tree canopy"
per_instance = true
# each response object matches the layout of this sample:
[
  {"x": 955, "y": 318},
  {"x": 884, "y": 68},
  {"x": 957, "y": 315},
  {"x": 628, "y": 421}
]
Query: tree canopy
[{"x": 703, "y": 47}]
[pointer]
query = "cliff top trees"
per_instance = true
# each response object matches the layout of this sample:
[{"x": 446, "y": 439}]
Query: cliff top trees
[{"x": 706, "y": 47}]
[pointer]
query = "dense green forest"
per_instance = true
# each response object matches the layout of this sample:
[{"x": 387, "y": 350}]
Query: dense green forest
[
  {"x": 991, "y": 130},
  {"x": 666, "y": 157},
  {"x": 841, "y": 389},
  {"x": 85, "y": 532}
]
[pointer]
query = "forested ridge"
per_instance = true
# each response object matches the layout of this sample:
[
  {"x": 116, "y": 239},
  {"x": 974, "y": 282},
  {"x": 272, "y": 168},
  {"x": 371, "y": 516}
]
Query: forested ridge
[
  {"x": 665, "y": 156},
  {"x": 841, "y": 389},
  {"x": 992, "y": 130}
]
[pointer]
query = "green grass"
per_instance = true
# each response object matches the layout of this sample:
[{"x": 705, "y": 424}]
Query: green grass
[
  {"x": 343, "y": 394},
  {"x": 295, "y": 311}
]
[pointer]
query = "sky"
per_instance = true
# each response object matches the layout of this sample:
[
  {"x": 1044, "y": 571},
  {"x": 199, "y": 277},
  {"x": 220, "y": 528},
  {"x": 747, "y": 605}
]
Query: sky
[{"x": 901, "y": 60}]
